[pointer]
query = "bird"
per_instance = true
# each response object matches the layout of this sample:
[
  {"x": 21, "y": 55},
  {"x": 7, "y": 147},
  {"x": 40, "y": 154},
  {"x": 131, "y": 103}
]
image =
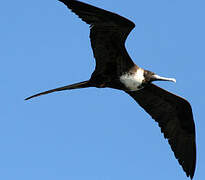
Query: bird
[{"x": 115, "y": 69}]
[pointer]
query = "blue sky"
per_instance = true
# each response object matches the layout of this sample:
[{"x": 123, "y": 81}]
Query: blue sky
[{"x": 93, "y": 134}]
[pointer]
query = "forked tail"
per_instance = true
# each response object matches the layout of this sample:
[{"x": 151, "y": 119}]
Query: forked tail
[{"x": 83, "y": 84}]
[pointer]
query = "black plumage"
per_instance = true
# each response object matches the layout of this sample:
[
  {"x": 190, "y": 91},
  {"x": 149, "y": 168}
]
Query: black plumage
[{"x": 115, "y": 69}]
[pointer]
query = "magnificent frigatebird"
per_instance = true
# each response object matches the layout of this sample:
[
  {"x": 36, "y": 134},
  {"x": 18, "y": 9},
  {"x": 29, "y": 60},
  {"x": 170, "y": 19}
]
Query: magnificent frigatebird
[{"x": 115, "y": 69}]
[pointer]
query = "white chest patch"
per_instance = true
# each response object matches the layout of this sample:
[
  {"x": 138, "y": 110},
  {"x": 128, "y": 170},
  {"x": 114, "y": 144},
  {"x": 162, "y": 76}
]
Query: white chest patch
[{"x": 133, "y": 81}]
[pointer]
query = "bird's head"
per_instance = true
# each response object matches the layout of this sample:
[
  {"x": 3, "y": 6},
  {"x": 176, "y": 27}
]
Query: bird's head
[{"x": 150, "y": 77}]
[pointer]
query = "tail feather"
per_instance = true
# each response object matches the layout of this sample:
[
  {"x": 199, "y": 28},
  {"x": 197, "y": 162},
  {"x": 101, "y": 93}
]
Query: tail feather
[{"x": 83, "y": 84}]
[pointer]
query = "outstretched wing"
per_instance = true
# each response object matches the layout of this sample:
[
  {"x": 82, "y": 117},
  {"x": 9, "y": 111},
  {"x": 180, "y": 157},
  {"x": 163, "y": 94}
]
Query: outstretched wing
[
  {"x": 108, "y": 32},
  {"x": 175, "y": 118}
]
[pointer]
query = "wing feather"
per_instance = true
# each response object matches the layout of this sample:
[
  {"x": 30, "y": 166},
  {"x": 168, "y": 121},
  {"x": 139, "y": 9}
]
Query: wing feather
[
  {"x": 175, "y": 118},
  {"x": 108, "y": 33}
]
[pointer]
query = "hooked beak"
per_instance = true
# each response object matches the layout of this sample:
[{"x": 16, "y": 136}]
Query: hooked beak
[{"x": 159, "y": 78}]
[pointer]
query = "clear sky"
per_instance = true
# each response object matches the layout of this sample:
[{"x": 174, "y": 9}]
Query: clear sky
[{"x": 94, "y": 134}]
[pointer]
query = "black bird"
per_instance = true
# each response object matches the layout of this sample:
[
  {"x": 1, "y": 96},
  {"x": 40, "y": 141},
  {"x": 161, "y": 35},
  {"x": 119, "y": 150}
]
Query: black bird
[{"x": 115, "y": 69}]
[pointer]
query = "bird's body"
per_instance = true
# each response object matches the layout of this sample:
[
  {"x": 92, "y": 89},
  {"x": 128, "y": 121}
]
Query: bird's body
[{"x": 115, "y": 69}]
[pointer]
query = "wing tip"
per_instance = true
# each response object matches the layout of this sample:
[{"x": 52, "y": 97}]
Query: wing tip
[{"x": 79, "y": 8}]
